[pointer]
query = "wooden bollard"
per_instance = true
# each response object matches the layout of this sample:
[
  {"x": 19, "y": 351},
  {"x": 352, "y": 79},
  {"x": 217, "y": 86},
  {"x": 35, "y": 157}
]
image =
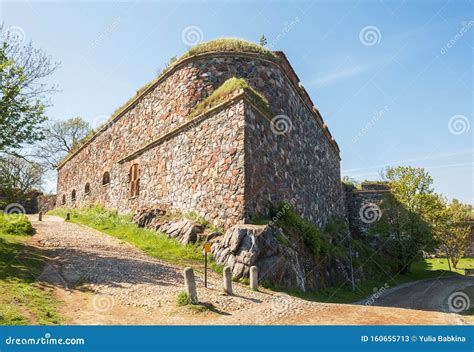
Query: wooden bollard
[
  {"x": 40, "y": 216},
  {"x": 254, "y": 278},
  {"x": 227, "y": 280},
  {"x": 190, "y": 285},
  {"x": 68, "y": 216}
]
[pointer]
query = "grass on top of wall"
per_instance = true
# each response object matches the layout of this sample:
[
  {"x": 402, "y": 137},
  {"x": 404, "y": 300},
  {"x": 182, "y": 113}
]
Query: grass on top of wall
[
  {"x": 22, "y": 300},
  {"x": 154, "y": 243},
  {"x": 226, "y": 91},
  {"x": 229, "y": 45}
]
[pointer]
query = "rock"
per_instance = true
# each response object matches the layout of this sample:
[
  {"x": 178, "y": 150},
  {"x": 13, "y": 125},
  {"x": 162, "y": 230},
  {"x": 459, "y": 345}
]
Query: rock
[
  {"x": 185, "y": 231},
  {"x": 213, "y": 236},
  {"x": 146, "y": 216},
  {"x": 283, "y": 263}
]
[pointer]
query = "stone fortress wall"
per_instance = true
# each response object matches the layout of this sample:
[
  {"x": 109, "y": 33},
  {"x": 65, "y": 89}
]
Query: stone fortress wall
[{"x": 227, "y": 163}]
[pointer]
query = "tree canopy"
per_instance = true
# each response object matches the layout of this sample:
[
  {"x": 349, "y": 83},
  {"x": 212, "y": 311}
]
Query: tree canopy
[{"x": 23, "y": 93}]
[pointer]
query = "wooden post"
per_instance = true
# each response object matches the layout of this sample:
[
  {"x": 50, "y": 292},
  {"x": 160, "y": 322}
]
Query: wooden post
[
  {"x": 190, "y": 285},
  {"x": 68, "y": 216},
  {"x": 40, "y": 216}
]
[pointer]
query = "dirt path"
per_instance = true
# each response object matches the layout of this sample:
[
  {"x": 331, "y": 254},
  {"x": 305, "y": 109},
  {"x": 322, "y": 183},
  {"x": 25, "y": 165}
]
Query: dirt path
[{"x": 102, "y": 280}]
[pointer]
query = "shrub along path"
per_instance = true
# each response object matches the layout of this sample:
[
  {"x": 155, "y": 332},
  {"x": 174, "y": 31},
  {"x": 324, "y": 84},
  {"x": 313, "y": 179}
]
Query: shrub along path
[{"x": 104, "y": 280}]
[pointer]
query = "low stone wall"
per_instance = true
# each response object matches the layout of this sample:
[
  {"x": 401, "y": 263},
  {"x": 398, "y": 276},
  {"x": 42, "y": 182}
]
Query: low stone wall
[
  {"x": 28, "y": 201},
  {"x": 363, "y": 206}
]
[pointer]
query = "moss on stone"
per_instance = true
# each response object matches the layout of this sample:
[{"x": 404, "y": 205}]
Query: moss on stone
[{"x": 227, "y": 90}]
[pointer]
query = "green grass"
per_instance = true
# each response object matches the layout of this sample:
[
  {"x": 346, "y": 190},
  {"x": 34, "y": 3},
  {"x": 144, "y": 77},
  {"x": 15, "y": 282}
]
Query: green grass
[
  {"x": 229, "y": 45},
  {"x": 183, "y": 299},
  {"x": 22, "y": 301},
  {"x": 226, "y": 91},
  {"x": 154, "y": 243},
  {"x": 442, "y": 264}
]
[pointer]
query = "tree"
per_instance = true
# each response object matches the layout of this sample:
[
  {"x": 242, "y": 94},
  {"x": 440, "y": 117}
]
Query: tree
[
  {"x": 18, "y": 175},
  {"x": 453, "y": 230},
  {"x": 263, "y": 40},
  {"x": 406, "y": 225},
  {"x": 23, "y": 95},
  {"x": 61, "y": 137}
]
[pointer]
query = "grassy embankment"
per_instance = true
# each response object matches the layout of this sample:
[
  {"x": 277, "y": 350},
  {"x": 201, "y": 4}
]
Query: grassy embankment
[
  {"x": 154, "y": 243},
  {"x": 22, "y": 300}
]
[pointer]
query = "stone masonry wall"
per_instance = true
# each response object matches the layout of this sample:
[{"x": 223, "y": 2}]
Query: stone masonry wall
[
  {"x": 201, "y": 169},
  {"x": 297, "y": 166},
  {"x": 173, "y": 172}
]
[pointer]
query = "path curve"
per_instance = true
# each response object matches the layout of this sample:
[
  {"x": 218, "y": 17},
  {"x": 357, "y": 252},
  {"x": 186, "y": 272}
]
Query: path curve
[{"x": 430, "y": 295}]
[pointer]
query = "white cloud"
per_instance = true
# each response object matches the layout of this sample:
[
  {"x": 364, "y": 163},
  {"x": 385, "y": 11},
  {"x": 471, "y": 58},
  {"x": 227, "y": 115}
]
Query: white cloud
[{"x": 338, "y": 75}]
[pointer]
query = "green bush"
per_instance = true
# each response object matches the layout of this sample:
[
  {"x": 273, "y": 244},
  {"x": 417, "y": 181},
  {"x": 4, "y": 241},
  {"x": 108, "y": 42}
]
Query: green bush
[
  {"x": 285, "y": 217},
  {"x": 15, "y": 225}
]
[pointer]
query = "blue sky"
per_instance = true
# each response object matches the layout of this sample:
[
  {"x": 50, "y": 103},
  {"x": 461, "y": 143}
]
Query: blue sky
[{"x": 392, "y": 79}]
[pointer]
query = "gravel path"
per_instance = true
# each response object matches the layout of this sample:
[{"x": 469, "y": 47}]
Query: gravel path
[{"x": 103, "y": 280}]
